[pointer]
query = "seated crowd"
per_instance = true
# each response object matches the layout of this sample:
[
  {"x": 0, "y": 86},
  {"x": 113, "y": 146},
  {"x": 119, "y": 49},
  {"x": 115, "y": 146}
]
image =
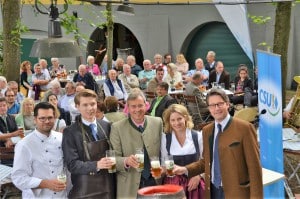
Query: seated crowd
[{"x": 46, "y": 102}]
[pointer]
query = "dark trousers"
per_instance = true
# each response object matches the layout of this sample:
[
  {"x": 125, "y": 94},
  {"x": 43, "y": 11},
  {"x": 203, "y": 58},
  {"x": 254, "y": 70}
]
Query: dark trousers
[
  {"x": 216, "y": 192},
  {"x": 147, "y": 182}
]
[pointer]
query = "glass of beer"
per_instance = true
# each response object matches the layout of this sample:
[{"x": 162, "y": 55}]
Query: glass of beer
[
  {"x": 62, "y": 176},
  {"x": 232, "y": 87},
  {"x": 112, "y": 156},
  {"x": 139, "y": 154},
  {"x": 22, "y": 135},
  {"x": 169, "y": 164},
  {"x": 155, "y": 167}
]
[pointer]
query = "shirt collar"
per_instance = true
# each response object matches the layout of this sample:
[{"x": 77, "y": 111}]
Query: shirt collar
[
  {"x": 138, "y": 124},
  {"x": 88, "y": 123},
  {"x": 223, "y": 123},
  {"x": 41, "y": 135}
]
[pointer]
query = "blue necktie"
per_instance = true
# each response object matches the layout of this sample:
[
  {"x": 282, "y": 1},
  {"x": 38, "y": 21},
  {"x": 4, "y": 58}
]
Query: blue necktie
[
  {"x": 216, "y": 159},
  {"x": 94, "y": 131}
]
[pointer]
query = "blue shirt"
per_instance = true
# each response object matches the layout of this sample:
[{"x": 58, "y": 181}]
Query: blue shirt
[
  {"x": 15, "y": 109},
  {"x": 203, "y": 72},
  {"x": 150, "y": 74}
]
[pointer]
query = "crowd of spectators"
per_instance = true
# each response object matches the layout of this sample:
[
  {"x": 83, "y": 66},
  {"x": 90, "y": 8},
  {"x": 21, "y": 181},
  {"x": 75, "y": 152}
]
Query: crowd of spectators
[{"x": 127, "y": 118}]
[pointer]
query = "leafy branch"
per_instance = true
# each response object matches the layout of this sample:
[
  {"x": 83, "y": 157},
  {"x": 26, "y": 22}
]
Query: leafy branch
[{"x": 16, "y": 33}]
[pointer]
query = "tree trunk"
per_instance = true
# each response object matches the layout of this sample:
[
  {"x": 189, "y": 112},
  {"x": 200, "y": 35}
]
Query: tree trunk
[
  {"x": 11, "y": 42},
  {"x": 110, "y": 31},
  {"x": 281, "y": 39}
]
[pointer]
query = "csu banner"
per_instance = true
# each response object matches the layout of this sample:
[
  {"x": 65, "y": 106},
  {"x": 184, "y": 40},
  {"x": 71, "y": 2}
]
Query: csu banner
[{"x": 270, "y": 124}]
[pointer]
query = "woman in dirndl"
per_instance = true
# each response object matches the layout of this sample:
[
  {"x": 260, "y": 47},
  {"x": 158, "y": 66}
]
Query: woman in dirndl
[{"x": 185, "y": 145}]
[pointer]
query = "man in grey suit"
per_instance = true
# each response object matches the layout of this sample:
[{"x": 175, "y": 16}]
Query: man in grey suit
[
  {"x": 192, "y": 89},
  {"x": 136, "y": 131},
  {"x": 84, "y": 144}
]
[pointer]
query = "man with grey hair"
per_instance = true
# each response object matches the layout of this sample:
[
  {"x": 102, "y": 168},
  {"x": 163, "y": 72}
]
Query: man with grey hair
[
  {"x": 54, "y": 88},
  {"x": 135, "y": 68},
  {"x": 85, "y": 78},
  {"x": 40, "y": 81},
  {"x": 66, "y": 99},
  {"x": 115, "y": 87},
  {"x": 201, "y": 70},
  {"x": 129, "y": 80},
  {"x": 44, "y": 64},
  {"x": 192, "y": 89},
  {"x": 136, "y": 131},
  {"x": 3, "y": 86},
  {"x": 158, "y": 61},
  {"x": 146, "y": 75},
  {"x": 13, "y": 85},
  {"x": 211, "y": 62}
]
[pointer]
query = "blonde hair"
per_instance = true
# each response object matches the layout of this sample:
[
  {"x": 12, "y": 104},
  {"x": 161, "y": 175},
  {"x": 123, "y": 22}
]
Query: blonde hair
[
  {"x": 56, "y": 113},
  {"x": 26, "y": 100},
  {"x": 172, "y": 66},
  {"x": 180, "y": 58},
  {"x": 182, "y": 110}
]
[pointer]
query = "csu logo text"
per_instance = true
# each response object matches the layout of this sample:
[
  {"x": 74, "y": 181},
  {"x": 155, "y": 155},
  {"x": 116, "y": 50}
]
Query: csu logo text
[{"x": 270, "y": 100}]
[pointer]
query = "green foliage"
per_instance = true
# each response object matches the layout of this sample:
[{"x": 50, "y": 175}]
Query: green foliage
[
  {"x": 266, "y": 45},
  {"x": 69, "y": 23},
  {"x": 259, "y": 19},
  {"x": 16, "y": 33}
]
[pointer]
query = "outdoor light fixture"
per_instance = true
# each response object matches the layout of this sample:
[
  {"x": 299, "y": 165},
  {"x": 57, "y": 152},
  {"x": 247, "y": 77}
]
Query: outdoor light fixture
[
  {"x": 125, "y": 9},
  {"x": 55, "y": 45}
]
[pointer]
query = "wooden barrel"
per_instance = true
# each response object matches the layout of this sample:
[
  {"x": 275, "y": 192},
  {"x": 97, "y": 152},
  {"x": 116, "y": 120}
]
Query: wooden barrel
[{"x": 162, "y": 192}]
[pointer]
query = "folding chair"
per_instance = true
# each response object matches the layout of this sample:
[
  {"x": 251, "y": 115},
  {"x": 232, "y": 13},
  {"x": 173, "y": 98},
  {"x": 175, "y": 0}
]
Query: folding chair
[
  {"x": 293, "y": 169},
  {"x": 7, "y": 155},
  {"x": 7, "y": 187},
  {"x": 193, "y": 107}
]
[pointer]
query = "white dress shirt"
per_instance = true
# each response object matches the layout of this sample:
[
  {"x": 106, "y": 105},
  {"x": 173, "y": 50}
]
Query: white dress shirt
[
  {"x": 176, "y": 149},
  {"x": 64, "y": 101},
  {"x": 118, "y": 93},
  {"x": 38, "y": 157},
  {"x": 223, "y": 123}
]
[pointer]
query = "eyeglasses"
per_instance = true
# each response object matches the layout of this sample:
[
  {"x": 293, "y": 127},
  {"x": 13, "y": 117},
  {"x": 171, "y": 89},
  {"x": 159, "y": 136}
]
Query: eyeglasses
[
  {"x": 44, "y": 119},
  {"x": 219, "y": 105}
]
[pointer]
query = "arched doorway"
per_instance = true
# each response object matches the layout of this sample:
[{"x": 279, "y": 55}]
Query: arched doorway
[
  {"x": 123, "y": 39},
  {"x": 216, "y": 36}
]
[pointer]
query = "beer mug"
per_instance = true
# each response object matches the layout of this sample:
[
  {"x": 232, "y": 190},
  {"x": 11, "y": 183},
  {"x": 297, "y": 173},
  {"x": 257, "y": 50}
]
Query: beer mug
[
  {"x": 214, "y": 84},
  {"x": 232, "y": 87},
  {"x": 22, "y": 129},
  {"x": 62, "y": 176},
  {"x": 169, "y": 164},
  {"x": 155, "y": 167},
  {"x": 112, "y": 156},
  {"x": 139, "y": 154},
  {"x": 222, "y": 85}
]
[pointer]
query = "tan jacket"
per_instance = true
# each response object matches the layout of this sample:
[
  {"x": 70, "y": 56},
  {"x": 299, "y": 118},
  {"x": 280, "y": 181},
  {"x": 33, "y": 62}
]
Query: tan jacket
[
  {"x": 133, "y": 82},
  {"x": 239, "y": 160},
  {"x": 125, "y": 139}
]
